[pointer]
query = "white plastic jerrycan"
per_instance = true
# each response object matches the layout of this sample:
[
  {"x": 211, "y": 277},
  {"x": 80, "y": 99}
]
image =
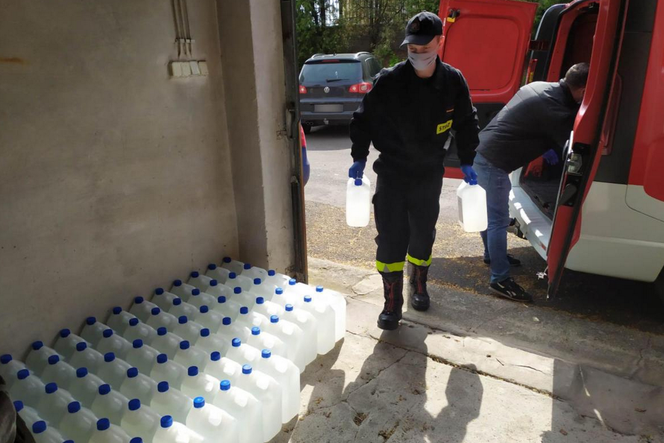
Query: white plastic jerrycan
[
  {"x": 471, "y": 200},
  {"x": 358, "y": 202},
  {"x": 245, "y": 408}
]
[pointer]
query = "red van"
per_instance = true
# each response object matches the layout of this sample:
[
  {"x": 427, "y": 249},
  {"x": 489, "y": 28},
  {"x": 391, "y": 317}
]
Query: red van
[{"x": 602, "y": 210}]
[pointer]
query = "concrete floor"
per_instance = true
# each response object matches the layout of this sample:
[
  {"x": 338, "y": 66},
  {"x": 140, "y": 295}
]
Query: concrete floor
[{"x": 424, "y": 384}]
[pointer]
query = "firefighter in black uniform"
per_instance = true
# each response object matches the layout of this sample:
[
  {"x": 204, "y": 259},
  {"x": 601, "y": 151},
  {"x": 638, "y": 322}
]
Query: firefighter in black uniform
[{"x": 409, "y": 116}]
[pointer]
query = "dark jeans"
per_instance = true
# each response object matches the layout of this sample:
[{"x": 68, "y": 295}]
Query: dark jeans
[
  {"x": 406, "y": 212},
  {"x": 496, "y": 183}
]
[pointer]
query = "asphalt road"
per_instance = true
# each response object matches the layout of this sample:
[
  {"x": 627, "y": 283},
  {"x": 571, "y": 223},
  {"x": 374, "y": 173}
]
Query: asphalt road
[{"x": 457, "y": 255}]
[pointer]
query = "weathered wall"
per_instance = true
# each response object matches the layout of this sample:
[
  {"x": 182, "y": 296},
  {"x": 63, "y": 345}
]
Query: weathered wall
[
  {"x": 114, "y": 178},
  {"x": 252, "y": 55}
]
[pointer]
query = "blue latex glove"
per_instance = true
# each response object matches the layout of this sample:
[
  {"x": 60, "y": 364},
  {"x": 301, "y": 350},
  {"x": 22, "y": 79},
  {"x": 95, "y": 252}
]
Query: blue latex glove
[
  {"x": 357, "y": 170},
  {"x": 551, "y": 157},
  {"x": 469, "y": 175}
]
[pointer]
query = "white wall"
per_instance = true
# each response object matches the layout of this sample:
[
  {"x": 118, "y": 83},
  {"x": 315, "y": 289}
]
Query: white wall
[{"x": 115, "y": 178}]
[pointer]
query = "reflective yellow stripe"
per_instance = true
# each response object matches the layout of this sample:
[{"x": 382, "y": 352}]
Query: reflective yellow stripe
[
  {"x": 418, "y": 262},
  {"x": 389, "y": 267}
]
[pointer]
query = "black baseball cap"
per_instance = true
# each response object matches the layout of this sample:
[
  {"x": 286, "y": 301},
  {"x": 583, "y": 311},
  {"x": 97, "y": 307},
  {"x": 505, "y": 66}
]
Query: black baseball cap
[{"x": 422, "y": 28}]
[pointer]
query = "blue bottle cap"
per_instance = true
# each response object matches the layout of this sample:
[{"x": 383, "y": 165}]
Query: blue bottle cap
[
  {"x": 182, "y": 319},
  {"x": 5, "y": 358},
  {"x": 139, "y": 300},
  {"x": 214, "y": 283},
  {"x": 236, "y": 342},
  {"x": 292, "y": 282},
  {"x": 177, "y": 283},
  {"x": 103, "y": 424},
  {"x": 232, "y": 275},
  {"x": 177, "y": 301},
  {"x": 192, "y": 371},
  {"x": 260, "y": 300},
  {"x": 279, "y": 291},
  {"x": 215, "y": 356},
  {"x": 162, "y": 358},
  {"x": 117, "y": 310},
  {"x": 134, "y": 404},
  {"x": 134, "y": 440},
  {"x": 199, "y": 402},
  {"x": 50, "y": 388},
  {"x": 274, "y": 319},
  {"x": 271, "y": 272},
  {"x": 81, "y": 346},
  {"x": 358, "y": 182},
  {"x": 109, "y": 357},
  {"x": 133, "y": 321},
  {"x": 104, "y": 389},
  {"x": 82, "y": 372},
  {"x": 64, "y": 333},
  {"x": 246, "y": 369},
  {"x": 307, "y": 299},
  {"x": 266, "y": 353},
  {"x": 244, "y": 310},
  {"x": 159, "y": 291},
  {"x": 53, "y": 359},
  {"x": 107, "y": 333},
  {"x": 73, "y": 407},
  {"x": 212, "y": 266},
  {"x": 205, "y": 332},
  {"x": 257, "y": 281},
  {"x": 166, "y": 422},
  {"x": 221, "y": 299},
  {"x": 195, "y": 292},
  {"x": 91, "y": 321},
  {"x": 289, "y": 307},
  {"x": 138, "y": 343},
  {"x": 237, "y": 290},
  {"x": 155, "y": 311},
  {"x": 247, "y": 266},
  {"x": 37, "y": 345},
  {"x": 204, "y": 309},
  {"x": 72, "y": 441},
  {"x": 38, "y": 427},
  {"x": 194, "y": 274},
  {"x": 18, "y": 405},
  {"x": 226, "y": 321},
  {"x": 227, "y": 259},
  {"x": 132, "y": 372},
  {"x": 163, "y": 386},
  {"x": 184, "y": 345},
  {"x": 319, "y": 289},
  {"x": 22, "y": 374},
  {"x": 162, "y": 331},
  {"x": 255, "y": 330},
  {"x": 225, "y": 385}
]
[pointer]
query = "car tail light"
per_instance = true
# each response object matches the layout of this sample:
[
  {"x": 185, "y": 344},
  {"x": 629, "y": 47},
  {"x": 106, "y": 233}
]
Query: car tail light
[
  {"x": 303, "y": 89},
  {"x": 360, "y": 88}
]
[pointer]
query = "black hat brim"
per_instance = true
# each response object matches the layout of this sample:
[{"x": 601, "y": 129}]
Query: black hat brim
[{"x": 417, "y": 40}]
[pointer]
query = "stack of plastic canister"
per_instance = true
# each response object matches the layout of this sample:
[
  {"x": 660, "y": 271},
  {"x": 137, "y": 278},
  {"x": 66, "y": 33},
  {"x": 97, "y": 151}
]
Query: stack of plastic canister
[{"x": 217, "y": 358}]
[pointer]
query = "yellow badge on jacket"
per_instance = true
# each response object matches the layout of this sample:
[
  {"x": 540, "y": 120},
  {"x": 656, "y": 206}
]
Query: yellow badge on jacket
[{"x": 443, "y": 127}]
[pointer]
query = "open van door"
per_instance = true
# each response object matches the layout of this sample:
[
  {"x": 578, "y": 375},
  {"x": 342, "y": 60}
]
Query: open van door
[
  {"x": 487, "y": 40},
  {"x": 584, "y": 153}
]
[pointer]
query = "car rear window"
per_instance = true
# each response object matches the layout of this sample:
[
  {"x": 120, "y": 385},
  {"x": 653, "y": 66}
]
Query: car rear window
[{"x": 330, "y": 72}]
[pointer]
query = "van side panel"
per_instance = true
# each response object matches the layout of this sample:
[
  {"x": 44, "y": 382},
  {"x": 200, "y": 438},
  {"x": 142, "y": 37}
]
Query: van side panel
[{"x": 615, "y": 240}]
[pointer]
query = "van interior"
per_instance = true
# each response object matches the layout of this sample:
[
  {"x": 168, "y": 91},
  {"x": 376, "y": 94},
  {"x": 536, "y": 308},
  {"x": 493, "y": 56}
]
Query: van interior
[{"x": 576, "y": 30}]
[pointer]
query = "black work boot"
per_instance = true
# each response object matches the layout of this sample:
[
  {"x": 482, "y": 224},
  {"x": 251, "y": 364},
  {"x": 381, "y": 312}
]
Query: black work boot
[
  {"x": 419, "y": 297},
  {"x": 393, "y": 287}
]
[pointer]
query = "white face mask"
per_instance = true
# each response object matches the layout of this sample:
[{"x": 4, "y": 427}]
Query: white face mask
[{"x": 422, "y": 60}]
